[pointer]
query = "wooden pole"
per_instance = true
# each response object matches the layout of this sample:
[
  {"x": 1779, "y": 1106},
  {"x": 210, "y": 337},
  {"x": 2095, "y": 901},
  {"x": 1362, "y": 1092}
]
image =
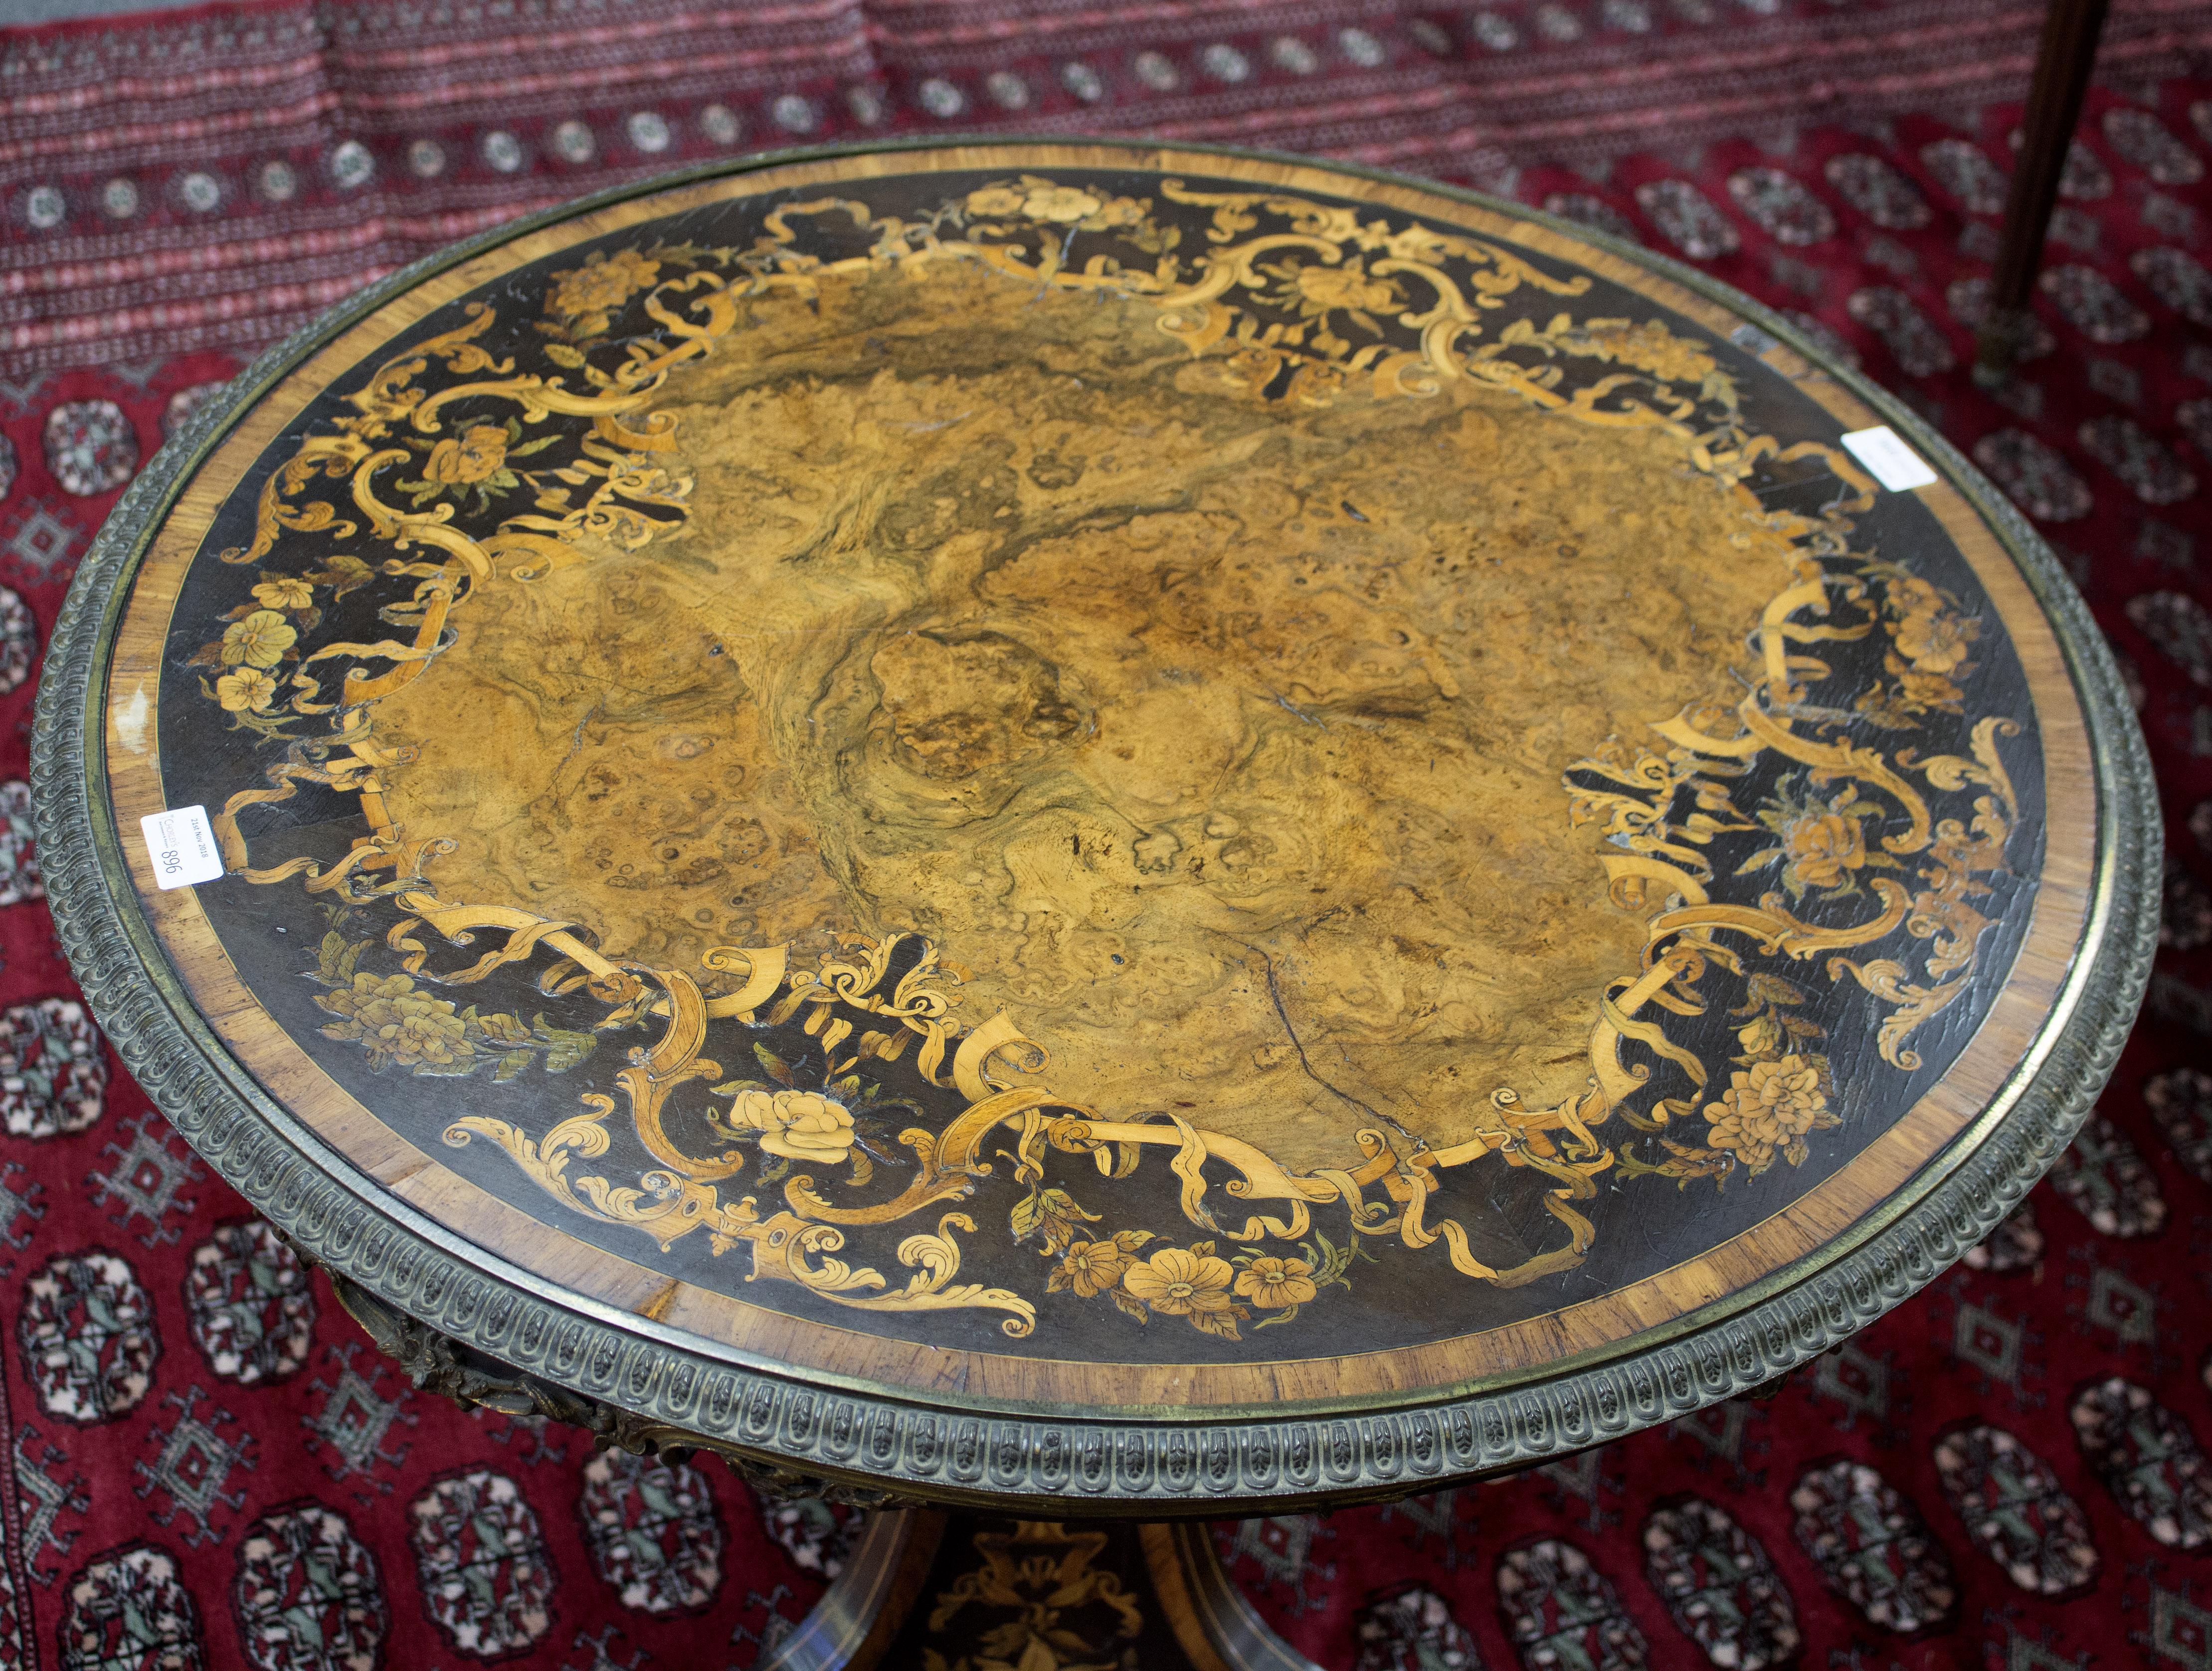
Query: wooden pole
[{"x": 2063, "y": 60}]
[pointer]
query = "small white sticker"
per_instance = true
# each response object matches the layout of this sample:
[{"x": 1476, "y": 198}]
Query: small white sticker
[
  {"x": 181, "y": 847},
  {"x": 1891, "y": 463}
]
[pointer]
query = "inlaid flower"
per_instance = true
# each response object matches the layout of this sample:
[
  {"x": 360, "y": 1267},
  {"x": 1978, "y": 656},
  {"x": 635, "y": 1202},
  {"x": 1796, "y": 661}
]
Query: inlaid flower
[
  {"x": 1822, "y": 848},
  {"x": 260, "y": 641},
  {"x": 588, "y": 293},
  {"x": 1649, "y": 346},
  {"x": 1061, "y": 204},
  {"x": 1820, "y": 844},
  {"x": 249, "y": 690},
  {"x": 1181, "y": 1283},
  {"x": 799, "y": 1125},
  {"x": 1273, "y": 1283},
  {"x": 1320, "y": 288},
  {"x": 1929, "y": 690},
  {"x": 283, "y": 593},
  {"x": 1116, "y": 212},
  {"x": 1762, "y": 1036},
  {"x": 398, "y": 1023},
  {"x": 1091, "y": 1268},
  {"x": 990, "y": 201},
  {"x": 1937, "y": 640},
  {"x": 1911, "y": 595},
  {"x": 475, "y": 457},
  {"x": 1770, "y": 1107}
]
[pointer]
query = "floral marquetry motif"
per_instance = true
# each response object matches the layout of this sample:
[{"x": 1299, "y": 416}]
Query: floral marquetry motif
[
  {"x": 825, "y": 1105},
  {"x": 1031, "y": 769}
]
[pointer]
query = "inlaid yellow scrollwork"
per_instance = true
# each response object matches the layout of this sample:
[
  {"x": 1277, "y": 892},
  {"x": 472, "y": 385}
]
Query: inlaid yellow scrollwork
[{"x": 1288, "y": 299}]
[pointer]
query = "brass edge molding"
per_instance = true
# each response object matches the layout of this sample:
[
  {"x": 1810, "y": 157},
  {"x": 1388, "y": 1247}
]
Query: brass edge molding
[
  {"x": 1091, "y": 1467},
  {"x": 852, "y": 1627},
  {"x": 1212, "y": 1622}
]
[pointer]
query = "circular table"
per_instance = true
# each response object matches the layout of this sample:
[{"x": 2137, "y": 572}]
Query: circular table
[{"x": 1085, "y": 830}]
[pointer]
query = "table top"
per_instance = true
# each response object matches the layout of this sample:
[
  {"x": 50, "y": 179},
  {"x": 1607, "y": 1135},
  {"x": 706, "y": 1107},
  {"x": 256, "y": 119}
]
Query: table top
[{"x": 1078, "y": 820}]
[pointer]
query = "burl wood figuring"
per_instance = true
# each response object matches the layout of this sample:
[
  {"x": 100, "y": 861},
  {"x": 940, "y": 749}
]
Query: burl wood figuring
[{"x": 1153, "y": 830}]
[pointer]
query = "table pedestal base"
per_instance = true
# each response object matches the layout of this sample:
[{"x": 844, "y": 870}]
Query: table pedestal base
[{"x": 932, "y": 1590}]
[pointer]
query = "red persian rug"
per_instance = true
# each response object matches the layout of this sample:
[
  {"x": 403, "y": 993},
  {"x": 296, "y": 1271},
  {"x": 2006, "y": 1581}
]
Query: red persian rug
[{"x": 202, "y": 1464}]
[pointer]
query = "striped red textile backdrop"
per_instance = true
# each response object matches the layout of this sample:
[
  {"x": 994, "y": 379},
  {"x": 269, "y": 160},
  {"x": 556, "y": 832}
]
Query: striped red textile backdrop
[
  {"x": 215, "y": 177},
  {"x": 202, "y": 1465}
]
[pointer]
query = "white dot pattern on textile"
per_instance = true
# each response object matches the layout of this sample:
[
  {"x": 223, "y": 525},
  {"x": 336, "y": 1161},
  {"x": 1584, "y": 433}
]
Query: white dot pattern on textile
[
  {"x": 866, "y": 104},
  {"x": 1154, "y": 71},
  {"x": 19, "y": 878},
  {"x": 53, "y": 1074},
  {"x": 426, "y": 159},
  {"x": 1557, "y": 23},
  {"x": 351, "y": 164},
  {"x": 648, "y": 130},
  {"x": 185, "y": 403},
  {"x": 19, "y": 638},
  {"x": 794, "y": 114},
  {"x": 573, "y": 142},
  {"x": 1224, "y": 63},
  {"x": 1631, "y": 17},
  {"x": 44, "y": 207},
  {"x": 89, "y": 1341},
  {"x": 1362, "y": 48},
  {"x": 277, "y": 181},
  {"x": 721, "y": 124},
  {"x": 1008, "y": 91},
  {"x": 501, "y": 150},
  {"x": 1296, "y": 56},
  {"x": 202, "y": 192},
  {"x": 1495, "y": 31},
  {"x": 119, "y": 197},
  {"x": 90, "y": 447},
  {"x": 481, "y": 1564},
  {"x": 41, "y": 540},
  {"x": 1433, "y": 37},
  {"x": 1084, "y": 81},
  {"x": 941, "y": 98}
]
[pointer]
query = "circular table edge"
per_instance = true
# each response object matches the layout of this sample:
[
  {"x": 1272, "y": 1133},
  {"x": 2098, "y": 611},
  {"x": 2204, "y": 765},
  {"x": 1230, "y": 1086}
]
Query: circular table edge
[{"x": 642, "y": 1392}]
